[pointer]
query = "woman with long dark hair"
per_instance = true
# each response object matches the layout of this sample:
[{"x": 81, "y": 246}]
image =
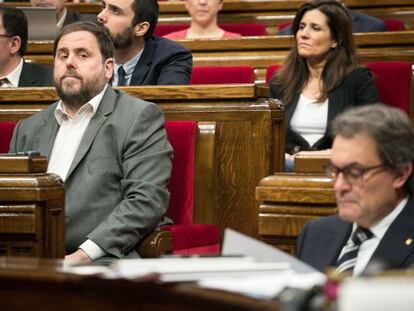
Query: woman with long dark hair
[{"x": 321, "y": 76}]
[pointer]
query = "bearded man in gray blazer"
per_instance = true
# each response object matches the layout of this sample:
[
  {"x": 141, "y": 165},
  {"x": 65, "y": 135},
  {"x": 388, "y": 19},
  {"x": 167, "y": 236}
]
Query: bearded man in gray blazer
[{"x": 109, "y": 148}]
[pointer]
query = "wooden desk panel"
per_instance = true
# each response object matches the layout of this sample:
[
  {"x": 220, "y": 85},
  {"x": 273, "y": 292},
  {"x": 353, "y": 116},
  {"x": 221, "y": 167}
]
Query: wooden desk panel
[{"x": 33, "y": 284}]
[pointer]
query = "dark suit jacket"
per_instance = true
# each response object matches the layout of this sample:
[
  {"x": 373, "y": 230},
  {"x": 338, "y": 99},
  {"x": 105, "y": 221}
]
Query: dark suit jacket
[
  {"x": 360, "y": 23},
  {"x": 72, "y": 17},
  {"x": 116, "y": 187},
  {"x": 356, "y": 89},
  {"x": 163, "y": 62},
  {"x": 35, "y": 75},
  {"x": 321, "y": 241}
]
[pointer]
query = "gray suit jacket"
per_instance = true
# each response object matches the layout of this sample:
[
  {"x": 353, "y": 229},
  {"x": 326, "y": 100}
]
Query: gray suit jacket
[{"x": 116, "y": 187}]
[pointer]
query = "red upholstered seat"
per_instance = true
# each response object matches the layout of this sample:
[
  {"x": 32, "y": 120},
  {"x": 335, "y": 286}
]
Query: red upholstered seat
[
  {"x": 270, "y": 70},
  {"x": 6, "y": 132},
  {"x": 394, "y": 24},
  {"x": 222, "y": 74},
  {"x": 187, "y": 238},
  {"x": 392, "y": 79},
  {"x": 252, "y": 29}
]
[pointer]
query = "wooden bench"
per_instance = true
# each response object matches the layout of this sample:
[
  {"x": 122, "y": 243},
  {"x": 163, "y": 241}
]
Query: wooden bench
[
  {"x": 248, "y": 133},
  {"x": 261, "y": 52},
  {"x": 288, "y": 201}
]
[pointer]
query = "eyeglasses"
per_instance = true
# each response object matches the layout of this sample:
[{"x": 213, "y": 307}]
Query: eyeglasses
[
  {"x": 353, "y": 173},
  {"x": 6, "y": 36}
]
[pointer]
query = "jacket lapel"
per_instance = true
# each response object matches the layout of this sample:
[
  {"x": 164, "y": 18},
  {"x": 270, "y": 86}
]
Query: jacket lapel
[
  {"x": 144, "y": 63},
  {"x": 398, "y": 242},
  {"x": 45, "y": 137},
  {"x": 336, "y": 240},
  {"x": 105, "y": 108}
]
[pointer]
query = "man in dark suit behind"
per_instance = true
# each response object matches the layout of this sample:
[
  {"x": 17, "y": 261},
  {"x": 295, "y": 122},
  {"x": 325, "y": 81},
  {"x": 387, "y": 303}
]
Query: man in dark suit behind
[
  {"x": 14, "y": 71},
  {"x": 360, "y": 23},
  {"x": 372, "y": 166},
  {"x": 64, "y": 16},
  {"x": 140, "y": 57}
]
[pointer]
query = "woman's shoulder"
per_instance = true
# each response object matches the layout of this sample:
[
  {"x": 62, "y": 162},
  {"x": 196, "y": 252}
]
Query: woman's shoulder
[
  {"x": 359, "y": 72},
  {"x": 228, "y": 34},
  {"x": 180, "y": 34}
]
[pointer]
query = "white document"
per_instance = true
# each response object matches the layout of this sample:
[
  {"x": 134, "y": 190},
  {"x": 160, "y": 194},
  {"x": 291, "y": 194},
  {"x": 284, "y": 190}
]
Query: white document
[{"x": 236, "y": 243}]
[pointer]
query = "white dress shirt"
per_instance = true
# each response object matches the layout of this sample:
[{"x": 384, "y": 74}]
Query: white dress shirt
[
  {"x": 367, "y": 248},
  {"x": 310, "y": 119},
  {"x": 66, "y": 144},
  {"x": 14, "y": 76}
]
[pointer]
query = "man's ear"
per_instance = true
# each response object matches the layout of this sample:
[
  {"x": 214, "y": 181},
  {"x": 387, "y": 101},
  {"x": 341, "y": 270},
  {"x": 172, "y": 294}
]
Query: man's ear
[
  {"x": 109, "y": 68},
  {"x": 15, "y": 44},
  {"x": 141, "y": 29},
  {"x": 402, "y": 175}
]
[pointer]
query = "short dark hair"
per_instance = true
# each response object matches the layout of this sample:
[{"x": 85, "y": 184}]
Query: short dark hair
[
  {"x": 146, "y": 11},
  {"x": 340, "y": 60},
  {"x": 15, "y": 24},
  {"x": 389, "y": 127},
  {"x": 101, "y": 34}
]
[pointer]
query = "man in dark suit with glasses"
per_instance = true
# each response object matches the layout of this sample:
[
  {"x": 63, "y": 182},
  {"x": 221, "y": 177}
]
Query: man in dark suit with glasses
[
  {"x": 14, "y": 71},
  {"x": 372, "y": 168}
]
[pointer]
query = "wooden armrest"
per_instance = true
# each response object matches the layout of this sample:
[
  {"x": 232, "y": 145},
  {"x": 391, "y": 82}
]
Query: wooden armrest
[
  {"x": 156, "y": 244},
  {"x": 311, "y": 163}
]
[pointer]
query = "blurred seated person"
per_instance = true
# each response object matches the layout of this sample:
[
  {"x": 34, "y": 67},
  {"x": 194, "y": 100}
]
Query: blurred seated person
[
  {"x": 372, "y": 168},
  {"x": 63, "y": 15},
  {"x": 203, "y": 21},
  {"x": 320, "y": 77},
  {"x": 14, "y": 71},
  {"x": 360, "y": 23}
]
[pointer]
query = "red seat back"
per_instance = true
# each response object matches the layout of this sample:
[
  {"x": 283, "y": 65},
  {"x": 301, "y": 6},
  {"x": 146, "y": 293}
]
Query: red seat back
[
  {"x": 392, "y": 79},
  {"x": 270, "y": 70},
  {"x": 222, "y": 74},
  {"x": 182, "y": 137},
  {"x": 252, "y": 29},
  {"x": 6, "y": 133},
  {"x": 394, "y": 24}
]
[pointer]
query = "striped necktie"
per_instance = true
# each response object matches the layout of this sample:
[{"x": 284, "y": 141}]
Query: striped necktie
[{"x": 348, "y": 258}]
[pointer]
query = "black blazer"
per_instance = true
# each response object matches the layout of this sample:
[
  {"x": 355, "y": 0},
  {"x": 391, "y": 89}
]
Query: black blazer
[
  {"x": 35, "y": 75},
  {"x": 72, "y": 17},
  {"x": 163, "y": 62},
  {"x": 321, "y": 241},
  {"x": 358, "y": 88}
]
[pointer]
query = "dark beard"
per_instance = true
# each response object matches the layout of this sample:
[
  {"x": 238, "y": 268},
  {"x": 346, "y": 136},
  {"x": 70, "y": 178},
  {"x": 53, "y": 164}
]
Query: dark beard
[
  {"x": 76, "y": 99},
  {"x": 123, "y": 40}
]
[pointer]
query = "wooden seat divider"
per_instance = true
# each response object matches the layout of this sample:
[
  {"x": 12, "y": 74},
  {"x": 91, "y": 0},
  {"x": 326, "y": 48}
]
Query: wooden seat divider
[
  {"x": 287, "y": 202},
  {"x": 245, "y": 130},
  {"x": 32, "y": 216}
]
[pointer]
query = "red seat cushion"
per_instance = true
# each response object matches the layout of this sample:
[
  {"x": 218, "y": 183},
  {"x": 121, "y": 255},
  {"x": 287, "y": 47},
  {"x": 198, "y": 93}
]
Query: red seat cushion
[
  {"x": 270, "y": 70},
  {"x": 194, "y": 236},
  {"x": 222, "y": 74},
  {"x": 392, "y": 79},
  {"x": 6, "y": 133},
  {"x": 394, "y": 24}
]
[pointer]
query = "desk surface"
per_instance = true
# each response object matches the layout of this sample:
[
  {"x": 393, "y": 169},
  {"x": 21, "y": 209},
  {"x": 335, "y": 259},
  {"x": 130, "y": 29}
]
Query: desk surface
[{"x": 40, "y": 284}]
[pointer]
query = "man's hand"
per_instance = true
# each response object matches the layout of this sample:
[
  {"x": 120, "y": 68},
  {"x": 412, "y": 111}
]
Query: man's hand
[{"x": 78, "y": 257}]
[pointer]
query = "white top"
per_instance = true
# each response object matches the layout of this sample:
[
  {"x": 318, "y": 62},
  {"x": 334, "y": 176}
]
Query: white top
[
  {"x": 14, "y": 76},
  {"x": 66, "y": 144},
  {"x": 310, "y": 119},
  {"x": 367, "y": 248}
]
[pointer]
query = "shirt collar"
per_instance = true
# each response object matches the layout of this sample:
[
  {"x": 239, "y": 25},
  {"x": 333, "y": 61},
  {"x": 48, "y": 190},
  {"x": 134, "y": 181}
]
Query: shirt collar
[
  {"x": 91, "y": 106},
  {"x": 14, "y": 76},
  {"x": 382, "y": 226},
  {"x": 129, "y": 65},
  {"x": 60, "y": 22}
]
